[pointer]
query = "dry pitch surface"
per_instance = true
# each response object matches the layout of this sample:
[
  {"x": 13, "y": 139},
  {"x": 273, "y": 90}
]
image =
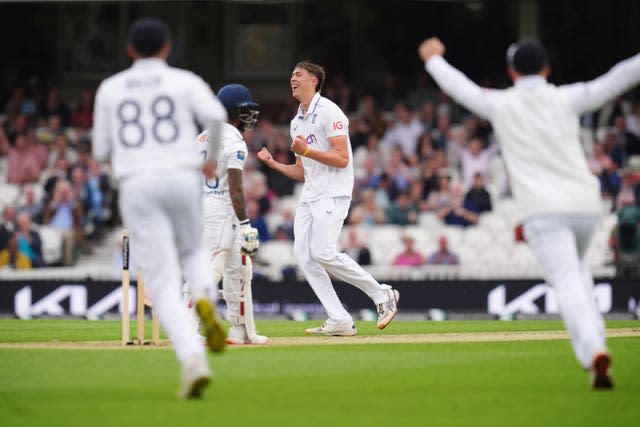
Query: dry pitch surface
[{"x": 365, "y": 339}]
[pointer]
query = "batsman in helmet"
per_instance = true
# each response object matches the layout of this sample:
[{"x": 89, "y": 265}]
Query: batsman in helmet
[{"x": 228, "y": 235}]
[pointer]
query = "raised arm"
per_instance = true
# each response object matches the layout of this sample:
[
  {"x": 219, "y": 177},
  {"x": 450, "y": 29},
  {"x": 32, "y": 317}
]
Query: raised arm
[
  {"x": 592, "y": 95},
  {"x": 295, "y": 171},
  {"x": 452, "y": 81}
]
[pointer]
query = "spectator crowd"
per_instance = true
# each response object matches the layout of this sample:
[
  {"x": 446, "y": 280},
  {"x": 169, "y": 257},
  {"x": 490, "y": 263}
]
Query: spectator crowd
[{"x": 415, "y": 152}]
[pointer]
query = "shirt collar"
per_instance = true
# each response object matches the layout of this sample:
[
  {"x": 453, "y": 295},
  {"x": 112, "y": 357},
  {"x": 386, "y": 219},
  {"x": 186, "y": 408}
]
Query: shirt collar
[
  {"x": 312, "y": 106},
  {"x": 530, "y": 81},
  {"x": 148, "y": 62}
]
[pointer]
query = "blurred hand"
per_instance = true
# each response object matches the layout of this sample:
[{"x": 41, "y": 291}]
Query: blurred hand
[
  {"x": 299, "y": 145},
  {"x": 430, "y": 47},
  {"x": 265, "y": 155}
]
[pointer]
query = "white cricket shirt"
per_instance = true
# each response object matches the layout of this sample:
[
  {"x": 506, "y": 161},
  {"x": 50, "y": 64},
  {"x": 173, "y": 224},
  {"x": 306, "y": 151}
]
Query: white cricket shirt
[
  {"x": 537, "y": 127},
  {"x": 232, "y": 155},
  {"x": 322, "y": 121},
  {"x": 144, "y": 118}
]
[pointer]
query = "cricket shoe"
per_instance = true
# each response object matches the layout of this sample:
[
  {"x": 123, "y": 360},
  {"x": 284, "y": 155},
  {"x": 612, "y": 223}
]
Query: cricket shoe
[
  {"x": 238, "y": 336},
  {"x": 195, "y": 377},
  {"x": 600, "y": 377},
  {"x": 213, "y": 329},
  {"x": 387, "y": 310},
  {"x": 345, "y": 329}
]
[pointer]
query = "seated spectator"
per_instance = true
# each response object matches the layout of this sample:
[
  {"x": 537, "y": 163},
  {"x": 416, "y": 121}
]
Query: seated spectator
[
  {"x": 446, "y": 200},
  {"x": 428, "y": 116},
  {"x": 443, "y": 256},
  {"x": 400, "y": 173},
  {"x": 625, "y": 138},
  {"x": 625, "y": 241},
  {"x": 284, "y": 231},
  {"x": 416, "y": 194},
  {"x": 59, "y": 170},
  {"x": 9, "y": 255},
  {"x": 24, "y": 162},
  {"x": 82, "y": 115},
  {"x": 7, "y": 227},
  {"x": 429, "y": 177},
  {"x": 473, "y": 159},
  {"x": 405, "y": 131},
  {"x": 368, "y": 176},
  {"x": 440, "y": 134},
  {"x": 426, "y": 149},
  {"x": 614, "y": 149},
  {"x": 402, "y": 211},
  {"x": 28, "y": 241},
  {"x": 30, "y": 204},
  {"x": 64, "y": 212},
  {"x": 90, "y": 196},
  {"x": 610, "y": 180},
  {"x": 371, "y": 151},
  {"x": 48, "y": 129},
  {"x": 366, "y": 212},
  {"x": 462, "y": 211},
  {"x": 478, "y": 196},
  {"x": 441, "y": 196},
  {"x": 61, "y": 148},
  {"x": 257, "y": 219},
  {"x": 409, "y": 256},
  {"x": 356, "y": 249},
  {"x": 626, "y": 195},
  {"x": 382, "y": 197},
  {"x": 595, "y": 159}
]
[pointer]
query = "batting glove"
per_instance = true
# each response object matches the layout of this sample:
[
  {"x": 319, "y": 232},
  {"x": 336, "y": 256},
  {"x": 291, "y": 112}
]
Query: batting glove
[{"x": 249, "y": 239}]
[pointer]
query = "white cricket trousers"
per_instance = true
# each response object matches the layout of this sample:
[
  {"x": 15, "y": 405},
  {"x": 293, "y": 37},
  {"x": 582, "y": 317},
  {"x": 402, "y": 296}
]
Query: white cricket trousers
[
  {"x": 162, "y": 213},
  {"x": 220, "y": 234},
  {"x": 560, "y": 244},
  {"x": 317, "y": 227}
]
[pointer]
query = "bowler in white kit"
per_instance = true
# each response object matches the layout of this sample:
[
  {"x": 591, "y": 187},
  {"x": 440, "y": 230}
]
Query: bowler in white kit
[
  {"x": 537, "y": 126},
  {"x": 144, "y": 123},
  {"x": 324, "y": 161}
]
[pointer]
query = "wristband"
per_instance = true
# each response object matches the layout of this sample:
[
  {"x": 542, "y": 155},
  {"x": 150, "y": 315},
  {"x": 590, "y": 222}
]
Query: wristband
[
  {"x": 243, "y": 225},
  {"x": 306, "y": 151}
]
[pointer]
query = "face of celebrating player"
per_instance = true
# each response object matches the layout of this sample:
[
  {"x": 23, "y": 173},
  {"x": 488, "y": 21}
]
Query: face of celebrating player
[{"x": 303, "y": 85}]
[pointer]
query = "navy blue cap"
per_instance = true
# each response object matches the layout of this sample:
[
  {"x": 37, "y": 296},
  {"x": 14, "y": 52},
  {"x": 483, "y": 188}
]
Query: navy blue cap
[
  {"x": 235, "y": 95},
  {"x": 148, "y": 35},
  {"x": 527, "y": 57}
]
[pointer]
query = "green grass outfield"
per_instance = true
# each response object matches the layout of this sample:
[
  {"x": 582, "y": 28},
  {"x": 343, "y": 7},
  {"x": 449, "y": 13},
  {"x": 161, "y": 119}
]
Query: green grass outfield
[{"x": 528, "y": 382}]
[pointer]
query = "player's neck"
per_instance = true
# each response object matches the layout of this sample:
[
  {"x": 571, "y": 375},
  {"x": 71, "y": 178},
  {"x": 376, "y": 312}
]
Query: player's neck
[{"x": 305, "y": 101}]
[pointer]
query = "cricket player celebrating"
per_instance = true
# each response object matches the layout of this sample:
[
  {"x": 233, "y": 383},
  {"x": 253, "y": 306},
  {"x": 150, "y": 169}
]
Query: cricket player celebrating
[
  {"x": 324, "y": 161},
  {"x": 537, "y": 126},
  {"x": 228, "y": 235},
  {"x": 144, "y": 123}
]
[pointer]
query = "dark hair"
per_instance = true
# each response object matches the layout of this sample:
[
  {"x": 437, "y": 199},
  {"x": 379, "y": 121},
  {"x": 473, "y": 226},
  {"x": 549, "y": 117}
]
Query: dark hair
[
  {"x": 527, "y": 57},
  {"x": 315, "y": 69},
  {"x": 148, "y": 35}
]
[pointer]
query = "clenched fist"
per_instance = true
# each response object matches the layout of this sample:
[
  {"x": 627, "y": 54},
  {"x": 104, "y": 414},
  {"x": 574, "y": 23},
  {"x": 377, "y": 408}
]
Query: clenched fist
[
  {"x": 430, "y": 47},
  {"x": 265, "y": 155}
]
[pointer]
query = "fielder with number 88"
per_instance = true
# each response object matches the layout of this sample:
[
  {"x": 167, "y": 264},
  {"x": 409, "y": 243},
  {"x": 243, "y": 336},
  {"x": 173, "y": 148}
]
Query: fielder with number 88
[{"x": 144, "y": 122}]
